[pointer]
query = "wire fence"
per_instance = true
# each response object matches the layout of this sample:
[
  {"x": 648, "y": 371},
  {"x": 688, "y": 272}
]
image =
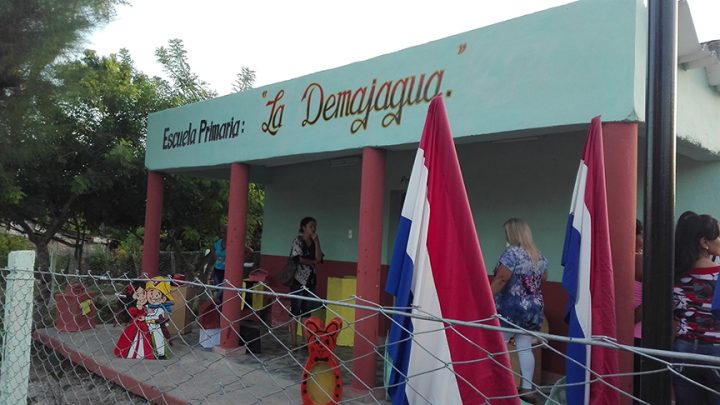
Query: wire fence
[
  {"x": 98, "y": 335},
  {"x": 121, "y": 263}
]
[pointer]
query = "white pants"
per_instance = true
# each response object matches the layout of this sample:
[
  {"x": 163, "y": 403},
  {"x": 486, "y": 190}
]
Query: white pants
[
  {"x": 523, "y": 344},
  {"x": 158, "y": 339}
]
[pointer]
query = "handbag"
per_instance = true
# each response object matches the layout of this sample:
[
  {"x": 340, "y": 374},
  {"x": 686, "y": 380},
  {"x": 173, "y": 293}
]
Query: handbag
[{"x": 287, "y": 274}]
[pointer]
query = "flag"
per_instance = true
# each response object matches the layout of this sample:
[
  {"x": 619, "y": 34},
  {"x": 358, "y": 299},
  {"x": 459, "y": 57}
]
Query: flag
[
  {"x": 438, "y": 270},
  {"x": 588, "y": 279}
]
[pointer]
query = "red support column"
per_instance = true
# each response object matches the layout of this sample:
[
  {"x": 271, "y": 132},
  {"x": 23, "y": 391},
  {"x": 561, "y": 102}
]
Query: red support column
[
  {"x": 620, "y": 147},
  {"x": 153, "y": 219},
  {"x": 372, "y": 189},
  {"x": 237, "y": 220}
]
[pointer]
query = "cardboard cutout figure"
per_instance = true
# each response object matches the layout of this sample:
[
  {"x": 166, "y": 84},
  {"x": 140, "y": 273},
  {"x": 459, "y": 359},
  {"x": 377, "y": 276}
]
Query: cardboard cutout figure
[
  {"x": 135, "y": 341},
  {"x": 158, "y": 308},
  {"x": 321, "y": 380}
]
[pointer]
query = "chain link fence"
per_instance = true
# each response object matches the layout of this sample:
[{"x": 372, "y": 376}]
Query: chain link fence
[
  {"x": 86, "y": 346},
  {"x": 119, "y": 262}
]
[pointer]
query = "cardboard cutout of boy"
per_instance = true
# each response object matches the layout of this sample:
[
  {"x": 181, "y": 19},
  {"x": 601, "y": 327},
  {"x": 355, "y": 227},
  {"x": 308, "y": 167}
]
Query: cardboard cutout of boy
[{"x": 158, "y": 308}]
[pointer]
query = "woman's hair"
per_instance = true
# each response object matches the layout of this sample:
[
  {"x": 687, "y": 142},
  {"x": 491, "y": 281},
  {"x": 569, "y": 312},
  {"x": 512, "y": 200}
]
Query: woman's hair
[
  {"x": 517, "y": 233},
  {"x": 690, "y": 228},
  {"x": 304, "y": 222},
  {"x": 638, "y": 227}
]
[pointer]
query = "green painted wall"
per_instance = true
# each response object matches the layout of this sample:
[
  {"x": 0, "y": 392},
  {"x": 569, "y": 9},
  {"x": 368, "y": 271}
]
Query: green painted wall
[
  {"x": 640, "y": 60},
  {"x": 553, "y": 68},
  {"x": 697, "y": 186},
  {"x": 530, "y": 179},
  {"x": 329, "y": 194},
  {"x": 698, "y": 110}
]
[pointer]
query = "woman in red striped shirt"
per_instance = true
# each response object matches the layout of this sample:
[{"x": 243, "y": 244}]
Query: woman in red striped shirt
[{"x": 697, "y": 240}]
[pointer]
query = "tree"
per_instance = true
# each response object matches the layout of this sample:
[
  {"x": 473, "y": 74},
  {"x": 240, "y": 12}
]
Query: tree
[
  {"x": 74, "y": 155},
  {"x": 8, "y": 243},
  {"x": 72, "y": 151},
  {"x": 186, "y": 85},
  {"x": 195, "y": 207},
  {"x": 256, "y": 204},
  {"x": 245, "y": 80},
  {"x": 34, "y": 33}
]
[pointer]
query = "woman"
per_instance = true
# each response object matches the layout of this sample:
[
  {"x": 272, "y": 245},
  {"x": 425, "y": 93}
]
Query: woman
[
  {"x": 697, "y": 240},
  {"x": 217, "y": 257},
  {"x": 516, "y": 287},
  {"x": 307, "y": 254}
]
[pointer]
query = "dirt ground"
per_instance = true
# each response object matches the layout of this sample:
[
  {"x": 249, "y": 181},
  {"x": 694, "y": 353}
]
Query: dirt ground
[{"x": 56, "y": 381}]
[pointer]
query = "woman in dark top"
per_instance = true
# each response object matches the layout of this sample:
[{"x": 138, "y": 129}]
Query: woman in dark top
[
  {"x": 307, "y": 254},
  {"x": 697, "y": 240}
]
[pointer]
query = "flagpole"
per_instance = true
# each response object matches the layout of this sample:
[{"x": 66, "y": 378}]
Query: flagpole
[{"x": 659, "y": 193}]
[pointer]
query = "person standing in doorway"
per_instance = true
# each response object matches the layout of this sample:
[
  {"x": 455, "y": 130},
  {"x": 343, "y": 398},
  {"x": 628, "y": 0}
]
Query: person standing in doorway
[
  {"x": 307, "y": 254},
  {"x": 519, "y": 274}
]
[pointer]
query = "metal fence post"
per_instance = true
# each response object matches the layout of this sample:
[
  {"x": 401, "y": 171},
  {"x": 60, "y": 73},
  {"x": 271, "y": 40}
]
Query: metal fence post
[{"x": 15, "y": 370}]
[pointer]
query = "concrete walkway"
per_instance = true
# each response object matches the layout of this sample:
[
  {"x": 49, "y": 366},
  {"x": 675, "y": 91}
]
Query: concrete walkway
[{"x": 194, "y": 375}]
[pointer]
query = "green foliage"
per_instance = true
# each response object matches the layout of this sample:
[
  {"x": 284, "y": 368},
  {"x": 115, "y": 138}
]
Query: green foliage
[
  {"x": 245, "y": 80},
  {"x": 34, "y": 33},
  {"x": 99, "y": 259},
  {"x": 9, "y": 243},
  {"x": 61, "y": 263},
  {"x": 256, "y": 204},
  {"x": 195, "y": 207},
  {"x": 72, "y": 143},
  {"x": 186, "y": 85},
  {"x": 79, "y": 150}
]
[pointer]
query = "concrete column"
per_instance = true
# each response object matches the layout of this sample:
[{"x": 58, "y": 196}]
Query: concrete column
[
  {"x": 237, "y": 220},
  {"x": 620, "y": 147},
  {"x": 372, "y": 189},
  {"x": 153, "y": 218},
  {"x": 18, "y": 328}
]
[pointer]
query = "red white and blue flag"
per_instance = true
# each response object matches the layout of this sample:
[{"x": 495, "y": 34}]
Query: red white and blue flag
[
  {"x": 437, "y": 271},
  {"x": 588, "y": 279}
]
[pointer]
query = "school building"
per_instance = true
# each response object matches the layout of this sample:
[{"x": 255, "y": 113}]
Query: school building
[{"x": 338, "y": 145}]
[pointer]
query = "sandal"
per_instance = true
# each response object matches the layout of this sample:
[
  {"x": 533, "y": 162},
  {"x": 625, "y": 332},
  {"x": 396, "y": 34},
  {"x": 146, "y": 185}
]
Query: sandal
[{"x": 528, "y": 395}]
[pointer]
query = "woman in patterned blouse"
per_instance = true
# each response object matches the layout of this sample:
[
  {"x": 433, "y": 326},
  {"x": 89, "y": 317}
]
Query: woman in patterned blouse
[
  {"x": 516, "y": 286},
  {"x": 697, "y": 240},
  {"x": 307, "y": 254}
]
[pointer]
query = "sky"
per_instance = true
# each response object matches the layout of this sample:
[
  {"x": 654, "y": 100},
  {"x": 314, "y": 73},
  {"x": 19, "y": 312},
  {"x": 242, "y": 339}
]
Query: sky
[{"x": 285, "y": 39}]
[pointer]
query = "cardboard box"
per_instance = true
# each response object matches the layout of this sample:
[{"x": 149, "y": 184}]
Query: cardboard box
[
  {"x": 209, "y": 338},
  {"x": 182, "y": 317}
]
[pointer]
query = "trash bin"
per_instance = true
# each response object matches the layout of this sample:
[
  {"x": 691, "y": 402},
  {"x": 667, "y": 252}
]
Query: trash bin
[{"x": 75, "y": 309}]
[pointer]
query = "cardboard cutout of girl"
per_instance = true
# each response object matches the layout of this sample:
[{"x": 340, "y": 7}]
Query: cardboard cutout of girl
[
  {"x": 135, "y": 342},
  {"x": 158, "y": 309}
]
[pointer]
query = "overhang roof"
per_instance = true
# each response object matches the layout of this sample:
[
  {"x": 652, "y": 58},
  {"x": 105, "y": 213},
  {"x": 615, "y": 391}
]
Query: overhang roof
[{"x": 691, "y": 53}]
